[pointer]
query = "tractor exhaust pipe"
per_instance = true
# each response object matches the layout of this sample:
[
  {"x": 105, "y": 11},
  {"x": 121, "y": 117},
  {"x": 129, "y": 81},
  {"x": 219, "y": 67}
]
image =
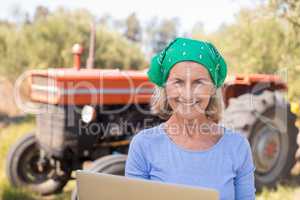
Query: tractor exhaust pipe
[
  {"x": 91, "y": 58},
  {"x": 77, "y": 50}
]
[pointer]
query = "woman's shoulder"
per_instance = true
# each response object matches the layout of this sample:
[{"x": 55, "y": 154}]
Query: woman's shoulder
[
  {"x": 238, "y": 146},
  {"x": 236, "y": 140},
  {"x": 235, "y": 137},
  {"x": 240, "y": 151}
]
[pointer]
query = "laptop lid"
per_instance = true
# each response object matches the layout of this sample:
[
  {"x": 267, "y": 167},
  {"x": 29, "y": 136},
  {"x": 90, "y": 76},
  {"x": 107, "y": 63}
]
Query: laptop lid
[{"x": 100, "y": 186}]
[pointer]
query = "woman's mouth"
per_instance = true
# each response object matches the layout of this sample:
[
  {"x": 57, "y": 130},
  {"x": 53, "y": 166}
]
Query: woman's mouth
[{"x": 188, "y": 103}]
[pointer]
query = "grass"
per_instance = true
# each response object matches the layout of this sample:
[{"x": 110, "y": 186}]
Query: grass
[
  {"x": 11, "y": 133},
  {"x": 8, "y": 136},
  {"x": 281, "y": 193}
]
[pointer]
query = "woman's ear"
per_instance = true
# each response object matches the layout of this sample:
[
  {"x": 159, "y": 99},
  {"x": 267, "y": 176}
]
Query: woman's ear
[
  {"x": 213, "y": 91},
  {"x": 209, "y": 110}
]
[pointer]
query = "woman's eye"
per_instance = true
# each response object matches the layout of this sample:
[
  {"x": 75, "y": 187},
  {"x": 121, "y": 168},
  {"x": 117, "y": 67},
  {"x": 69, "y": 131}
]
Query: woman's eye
[
  {"x": 177, "y": 82},
  {"x": 200, "y": 81},
  {"x": 203, "y": 82}
]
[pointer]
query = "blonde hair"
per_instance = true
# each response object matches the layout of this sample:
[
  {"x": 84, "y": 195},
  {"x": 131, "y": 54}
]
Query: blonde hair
[{"x": 160, "y": 106}]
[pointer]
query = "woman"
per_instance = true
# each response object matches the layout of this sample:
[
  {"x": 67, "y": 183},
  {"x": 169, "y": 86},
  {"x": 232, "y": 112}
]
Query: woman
[{"x": 190, "y": 147}]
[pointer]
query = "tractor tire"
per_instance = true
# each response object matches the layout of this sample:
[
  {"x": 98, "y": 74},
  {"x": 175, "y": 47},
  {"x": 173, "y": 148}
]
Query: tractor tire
[
  {"x": 111, "y": 164},
  {"x": 269, "y": 125},
  {"x": 296, "y": 168},
  {"x": 22, "y": 170}
]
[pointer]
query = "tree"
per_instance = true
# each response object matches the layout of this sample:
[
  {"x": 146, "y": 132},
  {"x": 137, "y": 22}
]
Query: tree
[
  {"x": 261, "y": 41},
  {"x": 133, "y": 29},
  {"x": 288, "y": 9},
  {"x": 40, "y": 12},
  {"x": 198, "y": 28},
  {"x": 289, "y": 12},
  {"x": 162, "y": 33},
  {"x": 47, "y": 43}
]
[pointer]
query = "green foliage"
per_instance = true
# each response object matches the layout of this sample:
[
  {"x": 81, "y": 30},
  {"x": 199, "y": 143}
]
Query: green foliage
[
  {"x": 265, "y": 39},
  {"x": 133, "y": 28},
  {"x": 260, "y": 41},
  {"x": 287, "y": 9},
  {"x": 9, "y": 136},
  {"x": 47, "y": 41},
  {"x": 160, "y": 33},
  {"x": 282, "y": 192},
  {"x": 253, "y": 44},
  {"x": 289, "y": 12}
]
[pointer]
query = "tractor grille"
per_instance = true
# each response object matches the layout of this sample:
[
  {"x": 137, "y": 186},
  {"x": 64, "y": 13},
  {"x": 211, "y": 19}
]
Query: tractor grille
[{"x": 55, "y": 130}]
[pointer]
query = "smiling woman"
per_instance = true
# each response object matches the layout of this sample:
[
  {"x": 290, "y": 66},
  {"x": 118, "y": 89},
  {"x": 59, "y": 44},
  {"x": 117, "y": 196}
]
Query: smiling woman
[
  {"x": 201, "y": 86},
  {"x": 191, "y": 147}
]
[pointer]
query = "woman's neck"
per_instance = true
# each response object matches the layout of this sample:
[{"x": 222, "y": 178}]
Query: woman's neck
[{"x": 193, "y": 128}]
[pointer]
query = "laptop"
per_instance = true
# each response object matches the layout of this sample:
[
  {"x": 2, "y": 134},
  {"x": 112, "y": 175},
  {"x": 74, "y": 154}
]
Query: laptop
[{"x": 100, "y": 186}]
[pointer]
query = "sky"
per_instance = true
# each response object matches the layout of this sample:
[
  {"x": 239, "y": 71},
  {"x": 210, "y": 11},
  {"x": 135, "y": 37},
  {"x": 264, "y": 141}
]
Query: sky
[{"x": 211, "y": 13}]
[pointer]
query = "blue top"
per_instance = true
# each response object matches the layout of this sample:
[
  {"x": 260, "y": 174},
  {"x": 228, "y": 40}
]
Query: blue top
[{"x": 227, "y": 166}]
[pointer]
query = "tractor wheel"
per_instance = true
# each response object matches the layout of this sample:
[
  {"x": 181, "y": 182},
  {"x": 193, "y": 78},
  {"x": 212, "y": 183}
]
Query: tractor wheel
[
  {"x": 268, "y": 123},
  {"x": 23, "y": 168},
  {"x": 111, "y": 164}
]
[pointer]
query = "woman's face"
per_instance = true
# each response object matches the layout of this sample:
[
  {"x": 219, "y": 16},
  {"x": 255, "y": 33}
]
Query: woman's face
[{"x": 189, "y": 88}]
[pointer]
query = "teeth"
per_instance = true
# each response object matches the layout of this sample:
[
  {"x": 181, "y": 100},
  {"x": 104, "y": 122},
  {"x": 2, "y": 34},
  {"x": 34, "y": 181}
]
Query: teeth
[{"x": 192, "y": 103}]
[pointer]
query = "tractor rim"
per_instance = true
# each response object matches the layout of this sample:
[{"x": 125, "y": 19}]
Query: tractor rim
[
  {"x": 267, "y": 149},
  {"x": 31, "y": 170}
]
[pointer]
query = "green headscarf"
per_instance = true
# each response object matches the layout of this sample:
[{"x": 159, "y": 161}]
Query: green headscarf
[{"x": 186, "y": 49}]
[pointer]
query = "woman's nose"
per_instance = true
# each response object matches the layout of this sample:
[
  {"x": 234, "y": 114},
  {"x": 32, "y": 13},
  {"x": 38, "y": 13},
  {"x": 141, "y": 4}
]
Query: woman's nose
[{"x": 187, "y": 92}]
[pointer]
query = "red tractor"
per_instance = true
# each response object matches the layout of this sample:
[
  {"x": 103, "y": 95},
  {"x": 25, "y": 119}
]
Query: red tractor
[{"x": 89, "y": 116}]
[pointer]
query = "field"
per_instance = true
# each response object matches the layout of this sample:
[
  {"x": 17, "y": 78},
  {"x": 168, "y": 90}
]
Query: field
[{"x": 10, "y": 133}]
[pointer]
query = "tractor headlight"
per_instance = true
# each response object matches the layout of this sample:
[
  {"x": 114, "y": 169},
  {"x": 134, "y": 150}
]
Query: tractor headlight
[{"x": 88, "y": 114}]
